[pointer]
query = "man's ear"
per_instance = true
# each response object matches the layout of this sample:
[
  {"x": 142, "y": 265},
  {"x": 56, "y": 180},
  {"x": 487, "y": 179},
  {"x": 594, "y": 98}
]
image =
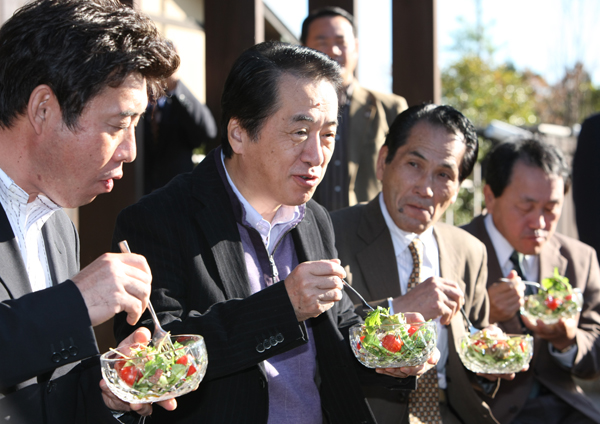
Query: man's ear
[
  {"x": 383, "y": 152},
  {"x": 236, "y": 135},
  {"x": 41, "y": 102},
  {"x": 489, "y": 197}
]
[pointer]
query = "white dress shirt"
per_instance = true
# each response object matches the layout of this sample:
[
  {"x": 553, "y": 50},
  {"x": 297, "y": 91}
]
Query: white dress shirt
[
  {"x": 429, "y": 268},
  {"x": 531, "y": 270},
  {"x": 26, "y": 220}
]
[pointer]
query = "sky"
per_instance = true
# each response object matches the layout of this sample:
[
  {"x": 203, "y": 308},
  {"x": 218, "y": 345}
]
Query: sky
[{"x": 544, "y": 36}]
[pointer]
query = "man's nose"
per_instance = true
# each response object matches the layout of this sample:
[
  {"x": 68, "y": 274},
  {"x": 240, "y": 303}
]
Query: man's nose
[
  {"x": 424, "y": 186},
  {"x": 313, "y": 151},
  {"x": 538, "y": 222},
  {"x": 127, "y": 149}
]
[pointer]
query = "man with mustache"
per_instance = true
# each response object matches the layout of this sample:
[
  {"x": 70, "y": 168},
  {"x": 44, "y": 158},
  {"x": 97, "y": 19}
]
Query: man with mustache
[
  {"x": 366, "y": 115},
  {"x": 526, "y": 182},
  {"x": 428, "y": 152}
]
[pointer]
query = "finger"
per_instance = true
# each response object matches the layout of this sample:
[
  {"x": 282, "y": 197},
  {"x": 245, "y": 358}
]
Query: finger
[
  {"x": 169, "y": 404},
  {"x": 413, "y": 317},
  {"x": 135, "y": 260},
  {"x": 143, "y": 409}
]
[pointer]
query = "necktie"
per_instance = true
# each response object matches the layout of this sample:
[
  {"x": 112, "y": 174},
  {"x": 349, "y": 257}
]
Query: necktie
[
  {"x": 423, "y": 403},
  {"x": 515, "y": 258}
]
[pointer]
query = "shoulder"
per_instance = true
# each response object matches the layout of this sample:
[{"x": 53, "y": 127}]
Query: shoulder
[
  {"x": 458, "y": 238},
  {"x": 347, "y": 215},
  {"x": 389, "y": 101},
  {"x": 572, "y": 245}
]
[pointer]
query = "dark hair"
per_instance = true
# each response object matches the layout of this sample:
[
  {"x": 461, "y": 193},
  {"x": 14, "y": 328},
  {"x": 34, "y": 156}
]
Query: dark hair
[
  {"x": 441, "y": 116},
  {"x": 77, "y": 48},
  {"x": 251, "y": 90},
  {"x": 501, "y": 160},
  {"x": 322, "y": 12}
]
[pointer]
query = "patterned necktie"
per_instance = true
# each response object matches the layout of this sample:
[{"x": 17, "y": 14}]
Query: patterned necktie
[{"x": 423, "y": 403}]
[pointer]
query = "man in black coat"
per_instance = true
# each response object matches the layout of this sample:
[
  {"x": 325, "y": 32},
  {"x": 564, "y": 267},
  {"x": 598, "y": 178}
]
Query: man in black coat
[
  {"x": 241, "y": 255},
  {"x": 72, "y": 88}
]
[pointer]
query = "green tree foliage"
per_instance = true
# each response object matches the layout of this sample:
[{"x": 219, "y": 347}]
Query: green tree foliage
[{"x": 483, "y": 91}]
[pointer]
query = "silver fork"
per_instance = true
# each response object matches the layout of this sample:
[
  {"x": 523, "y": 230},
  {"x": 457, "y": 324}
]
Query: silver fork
[
  {"x": 472, "y": 329},
  {"x": 160, "y": 337},
  {"x": 358, "y": 294}
]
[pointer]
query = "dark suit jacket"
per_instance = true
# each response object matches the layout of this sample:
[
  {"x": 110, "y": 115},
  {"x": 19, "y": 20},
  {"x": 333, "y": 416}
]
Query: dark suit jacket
[
  {"x": 579, "y": 263},
  {"x": 586, "y": 173},
  {"x": 371, "y": 114},
  {"x": 185, "y": 124},
  {"x": 365, "y": 247},
  {"x": 189, "y": 235},
  {"x": 44, "y": 331}
]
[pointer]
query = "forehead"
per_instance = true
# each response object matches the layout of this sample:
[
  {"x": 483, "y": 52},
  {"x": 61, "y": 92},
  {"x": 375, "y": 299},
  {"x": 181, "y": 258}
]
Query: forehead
[
  {"x": 329, "y": 26},
  {"x": 531, "y": 183},
  {"x": 296, "y": 95},
  {"x": 435, "y": 142}
]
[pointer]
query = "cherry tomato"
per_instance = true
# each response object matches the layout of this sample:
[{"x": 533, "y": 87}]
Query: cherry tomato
[
  {"x": 412, "y": 330},
  {"x": 191, "y": 370},
  {"x": 391, "y": 343},
  {"x": 119, "y": 366},
  {"x": 183, "y": 360},
  {"x": 129, "y": 375},
  {"x": 480, "y": 343},
  {"x": 553, "y": 303},
  {"x": 568, "y": 297},
  {"x": 358, "y": 345}
]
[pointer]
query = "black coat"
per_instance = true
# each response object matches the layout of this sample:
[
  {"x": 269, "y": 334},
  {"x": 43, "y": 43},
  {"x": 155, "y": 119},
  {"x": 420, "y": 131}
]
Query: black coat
[{"x": 188, "y": 233}]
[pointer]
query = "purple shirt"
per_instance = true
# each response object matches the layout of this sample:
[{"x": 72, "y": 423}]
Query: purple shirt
[{"x": 270, "y": 256}]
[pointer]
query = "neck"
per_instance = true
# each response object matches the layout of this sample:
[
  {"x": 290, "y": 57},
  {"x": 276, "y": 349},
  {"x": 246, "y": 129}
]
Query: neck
[
  {"x": 236, "y": 172},
  {"x": 15, "y": 160}
]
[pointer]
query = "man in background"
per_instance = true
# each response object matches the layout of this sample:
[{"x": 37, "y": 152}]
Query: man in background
[
  {"x": 365, "y": 114},
  {"x": 75, "y": 76},
  {"x": 526, "y": 182},
  {"x": 174, "y": 126}
]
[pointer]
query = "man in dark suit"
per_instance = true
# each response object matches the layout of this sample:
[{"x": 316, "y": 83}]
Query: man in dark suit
[
  {"x": 241, "y": 255},
  {"x": 428, "y": 152},
  {"x": 585, "y": 174},
  {"x": 366, "y": 115},
  {"x": 174, "y": 126},
  {"x": 72, "y": 89},
  {"x": 525, "y": 186}
]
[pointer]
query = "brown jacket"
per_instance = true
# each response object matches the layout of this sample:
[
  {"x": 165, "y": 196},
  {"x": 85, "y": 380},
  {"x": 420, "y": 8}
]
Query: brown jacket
[
  {"x": 365, "y": 248},
  {"x": 578, "y": 262},
  {"x": 371, "y": 114}
]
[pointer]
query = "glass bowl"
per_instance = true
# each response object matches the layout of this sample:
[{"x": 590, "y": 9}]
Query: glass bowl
[
  {"x": 144, "y": 374},
  {"x": 550, "y": 309},
  {"x": 394, "y": 345},
  {"x": 490, "y": 352}
]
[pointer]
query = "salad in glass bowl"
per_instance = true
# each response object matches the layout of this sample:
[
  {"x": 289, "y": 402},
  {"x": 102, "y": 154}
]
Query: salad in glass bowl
[
  {"x": 388, "y": 341},
  {"x": 491, "y": 351},
  {"x": 146, "y": 373},
  {"x": 556, "y": 299}
]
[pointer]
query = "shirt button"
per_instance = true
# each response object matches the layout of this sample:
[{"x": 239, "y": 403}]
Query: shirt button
[
  {"x": 337, "y": 162},
  {"x": 338, "y": 189}
]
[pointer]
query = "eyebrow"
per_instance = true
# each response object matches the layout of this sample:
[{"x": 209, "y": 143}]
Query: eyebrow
[
  {"x": 447, "y": 165},
  {"x": 129, "y": 113},
  {"x": 306, "y": 118}
]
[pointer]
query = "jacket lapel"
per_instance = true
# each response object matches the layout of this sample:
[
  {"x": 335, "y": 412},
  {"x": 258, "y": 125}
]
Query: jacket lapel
[
  {"x": 381, "y": 281},
  {"x": 306, "y": 235},
  {"x": 12, "y": 269},
  {"x": 56, "y": 251},
  {"x": 215, "y": 216},
  {"x": 550, "y": 258}
]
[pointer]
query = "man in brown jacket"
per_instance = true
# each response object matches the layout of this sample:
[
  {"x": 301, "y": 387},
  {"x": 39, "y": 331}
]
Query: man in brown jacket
[
  {"x": 525, "y": 186},
  {"x": 428, "y": 152}
]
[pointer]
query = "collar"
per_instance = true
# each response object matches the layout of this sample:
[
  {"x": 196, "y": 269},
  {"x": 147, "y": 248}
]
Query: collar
[
  {"x": 18, "y": 209},
  {"x": 287, "y": 216},
  {"x": 401, "y": 239},
  {"x": 504, "y": 249}
]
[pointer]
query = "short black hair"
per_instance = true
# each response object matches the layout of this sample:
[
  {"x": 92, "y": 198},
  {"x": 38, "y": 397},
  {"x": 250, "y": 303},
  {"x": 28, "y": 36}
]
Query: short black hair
[
  {"x": 322, "y": 12},
  {"x": 77, "y": 48},
  {"x": 251, "y": 89},
  {"x": 500, "y": 162},
  {"x": 440, "y": 116}
]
